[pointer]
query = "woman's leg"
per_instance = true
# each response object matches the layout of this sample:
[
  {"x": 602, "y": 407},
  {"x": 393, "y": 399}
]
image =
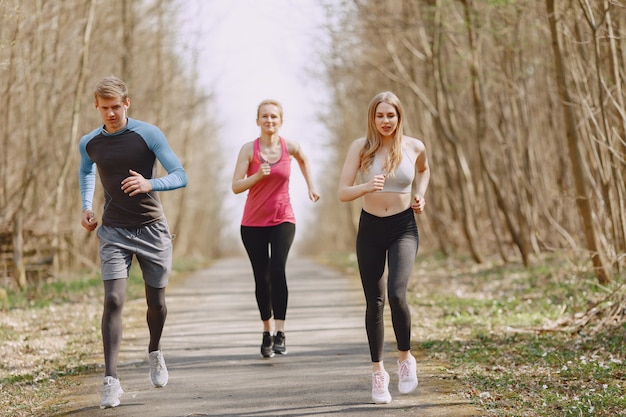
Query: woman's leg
[
  {"x": 401, "y": 260},
  {"x": 256, "y": 242},
  {"x": 281, "y": 239},
  {"x": 402, "y": 254},
  {"x": 371, "y": 256}
]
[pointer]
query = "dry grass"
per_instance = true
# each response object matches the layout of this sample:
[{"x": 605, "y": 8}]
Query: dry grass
[
  {"x": 51, "y": 332},
  {"x": 543, "y": 341},
  {"x": 540, "y": 341}
]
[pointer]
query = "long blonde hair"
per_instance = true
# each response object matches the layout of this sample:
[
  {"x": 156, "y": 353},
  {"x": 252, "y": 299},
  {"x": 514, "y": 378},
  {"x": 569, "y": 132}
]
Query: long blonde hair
[{"x": 373, "y": 139}]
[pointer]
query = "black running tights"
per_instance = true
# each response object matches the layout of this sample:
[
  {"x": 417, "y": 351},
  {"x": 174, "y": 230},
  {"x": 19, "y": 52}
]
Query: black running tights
[
  {"x": 393, "y": 239},
  {"x": 268, "y": 248},
  {"x": 114, "y": 296}
]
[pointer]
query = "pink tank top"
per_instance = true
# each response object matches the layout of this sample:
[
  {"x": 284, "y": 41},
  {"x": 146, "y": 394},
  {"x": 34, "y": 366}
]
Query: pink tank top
[{"x": 268, "y": 202}]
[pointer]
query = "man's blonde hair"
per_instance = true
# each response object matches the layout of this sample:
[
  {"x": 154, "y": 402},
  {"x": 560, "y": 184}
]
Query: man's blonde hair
[{"x": 111, "y": 87}]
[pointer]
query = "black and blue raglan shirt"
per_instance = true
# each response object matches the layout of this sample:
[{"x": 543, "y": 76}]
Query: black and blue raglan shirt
[{"x": 136, "y": 147}]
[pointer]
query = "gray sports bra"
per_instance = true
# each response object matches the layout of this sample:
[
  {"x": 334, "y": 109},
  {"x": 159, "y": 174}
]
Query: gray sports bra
[{"x": 400, "y": 182}]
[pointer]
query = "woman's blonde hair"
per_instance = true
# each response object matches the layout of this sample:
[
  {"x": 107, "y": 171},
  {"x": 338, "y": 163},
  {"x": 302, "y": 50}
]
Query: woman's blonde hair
[
  {"x": 373, "y": 139},
  {"x": 270, "y": 101}
]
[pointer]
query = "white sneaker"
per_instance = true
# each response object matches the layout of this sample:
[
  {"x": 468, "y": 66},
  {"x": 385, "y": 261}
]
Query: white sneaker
[
  {"x": 380, "y": 387},
  {"x": 158, "y": 370},
  {"x": 407, "y": 375},
  {"x": 111, "y": 392}
]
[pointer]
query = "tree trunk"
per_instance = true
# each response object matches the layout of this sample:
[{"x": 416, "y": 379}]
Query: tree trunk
[
  {"x": 582, "y": 197},
  {"x": 19, "y": 270},
  {"x": 73, "y": 137}
]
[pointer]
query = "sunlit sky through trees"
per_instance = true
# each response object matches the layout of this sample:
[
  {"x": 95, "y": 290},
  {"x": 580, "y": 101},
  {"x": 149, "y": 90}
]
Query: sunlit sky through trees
[{"x": 250, "y": 50}]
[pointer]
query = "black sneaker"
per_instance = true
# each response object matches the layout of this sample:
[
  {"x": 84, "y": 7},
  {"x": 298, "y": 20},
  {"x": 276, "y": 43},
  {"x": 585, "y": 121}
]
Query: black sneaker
[
  {"x": 279, "y": 343},
  {"x": 266, "y": 346}
]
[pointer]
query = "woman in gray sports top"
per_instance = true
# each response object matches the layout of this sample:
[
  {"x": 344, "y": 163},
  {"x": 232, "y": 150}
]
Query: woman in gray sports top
[{"x": 394, "y": 176}]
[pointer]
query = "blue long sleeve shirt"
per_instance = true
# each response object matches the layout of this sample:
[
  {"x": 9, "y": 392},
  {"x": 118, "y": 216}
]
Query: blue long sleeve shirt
[{"x": 136, "y": 147}]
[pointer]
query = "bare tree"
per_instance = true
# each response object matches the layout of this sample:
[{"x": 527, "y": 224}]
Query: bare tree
[
  {"x": 72, "y": 141},
  {"x": 479, "y": 87},
  {"x": 578, "y": 165},
  {"x": 50, "y": 52}
]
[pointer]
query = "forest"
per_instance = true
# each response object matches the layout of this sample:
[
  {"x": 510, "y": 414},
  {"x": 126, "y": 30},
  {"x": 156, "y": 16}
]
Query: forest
[
  {"x": 52, "y": 54},
  {"x": 521, "y": 105},
  {"x": 527, "y": 142}
]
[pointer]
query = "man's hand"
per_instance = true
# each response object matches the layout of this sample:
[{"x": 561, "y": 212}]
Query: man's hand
[
  {"x": 88, "y": 221},
  {"x": 136, "y": 184}
]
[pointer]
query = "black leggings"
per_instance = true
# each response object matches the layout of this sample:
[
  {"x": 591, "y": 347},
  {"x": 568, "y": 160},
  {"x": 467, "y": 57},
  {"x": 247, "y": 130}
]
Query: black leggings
[
  {"x": 267, "y": 249},
  {"x": 397, "y": 238}
]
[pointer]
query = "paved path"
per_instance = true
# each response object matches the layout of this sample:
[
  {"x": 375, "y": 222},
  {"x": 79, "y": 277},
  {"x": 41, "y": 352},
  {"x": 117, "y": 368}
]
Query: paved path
[{"x": 211, "y": 346}]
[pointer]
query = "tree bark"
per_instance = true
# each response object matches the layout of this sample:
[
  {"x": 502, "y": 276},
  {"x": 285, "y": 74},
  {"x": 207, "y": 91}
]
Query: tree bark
[
  {"x": 582, "y": 197},
  {"x": 73, "y": 136},
  {"x": 19, "y": 270}
]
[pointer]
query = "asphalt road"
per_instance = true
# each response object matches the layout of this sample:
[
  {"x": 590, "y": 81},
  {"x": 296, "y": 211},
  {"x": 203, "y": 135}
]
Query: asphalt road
[{"x": 211, "y": 346}]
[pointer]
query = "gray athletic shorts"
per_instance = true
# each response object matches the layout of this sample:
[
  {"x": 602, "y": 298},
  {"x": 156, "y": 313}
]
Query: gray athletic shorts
[{"x": 151, "y": 245}]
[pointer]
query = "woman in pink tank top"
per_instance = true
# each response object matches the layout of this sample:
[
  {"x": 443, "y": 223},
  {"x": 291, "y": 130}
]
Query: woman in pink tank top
[{"x": 268, "y": 224}]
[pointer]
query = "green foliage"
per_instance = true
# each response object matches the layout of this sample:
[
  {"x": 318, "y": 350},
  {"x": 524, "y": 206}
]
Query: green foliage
[
  {"x": 549, "y": 373},
  {"x": 64, "y": 290},
  {"x": 79, "y": 286},
  {"x": 502, "y": 2}
]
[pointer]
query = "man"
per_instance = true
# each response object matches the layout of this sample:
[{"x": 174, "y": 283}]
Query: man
[{"x": 124, "y": 151}]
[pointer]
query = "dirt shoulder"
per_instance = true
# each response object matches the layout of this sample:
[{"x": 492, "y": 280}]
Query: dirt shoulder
[{"x": 211, "y": 347}]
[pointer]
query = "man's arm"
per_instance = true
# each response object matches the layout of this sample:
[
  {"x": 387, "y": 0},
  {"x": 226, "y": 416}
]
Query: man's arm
[{"x": 176, "y": 176}]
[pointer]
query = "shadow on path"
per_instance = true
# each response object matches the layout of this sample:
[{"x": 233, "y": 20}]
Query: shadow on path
[{"x": 211, "y": 346}]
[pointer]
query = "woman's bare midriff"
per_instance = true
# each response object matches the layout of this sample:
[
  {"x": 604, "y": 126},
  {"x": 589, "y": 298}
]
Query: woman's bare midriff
[{"x": 386, "y": 204}]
